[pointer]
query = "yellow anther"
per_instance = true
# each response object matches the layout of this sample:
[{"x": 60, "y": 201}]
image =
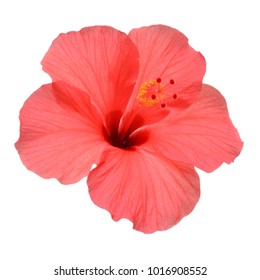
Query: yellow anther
[{"x": 151, "y": 93}]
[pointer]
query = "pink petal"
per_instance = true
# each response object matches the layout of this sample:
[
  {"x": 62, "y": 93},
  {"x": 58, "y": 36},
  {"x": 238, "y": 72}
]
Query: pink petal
[
  {"x": 202, "y": 135},
  {"x": 153, "y": 192},
  {"x": 99, "y": 60},
  {"x": 166, "y": 54},
  {"x": 60, "y": 134}
]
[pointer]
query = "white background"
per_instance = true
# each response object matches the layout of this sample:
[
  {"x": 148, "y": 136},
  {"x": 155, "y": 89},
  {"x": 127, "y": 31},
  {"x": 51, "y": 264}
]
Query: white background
[{"x": 45, "y": 224}]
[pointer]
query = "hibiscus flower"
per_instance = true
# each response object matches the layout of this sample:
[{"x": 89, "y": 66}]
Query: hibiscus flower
[{"x": 135, "y": 106}]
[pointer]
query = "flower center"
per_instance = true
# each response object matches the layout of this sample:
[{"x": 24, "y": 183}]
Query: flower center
[
  {"x": 155, "y": 92},
  {"x": 127, "y": 138}
]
